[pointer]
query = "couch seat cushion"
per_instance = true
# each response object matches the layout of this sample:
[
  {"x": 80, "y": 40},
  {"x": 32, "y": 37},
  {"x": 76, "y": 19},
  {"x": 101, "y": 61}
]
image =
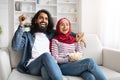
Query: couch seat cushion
[
  {"x": 110, "y": 74},
  {"x": 15, "y": 75}
]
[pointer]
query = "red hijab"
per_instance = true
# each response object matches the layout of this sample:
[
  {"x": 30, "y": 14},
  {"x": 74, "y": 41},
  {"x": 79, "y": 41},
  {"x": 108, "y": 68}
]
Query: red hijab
[{"x": 65, "y": 38}]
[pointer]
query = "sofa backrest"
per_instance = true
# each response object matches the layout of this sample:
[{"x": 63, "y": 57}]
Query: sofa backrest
[{"x": 92, "y": 50}]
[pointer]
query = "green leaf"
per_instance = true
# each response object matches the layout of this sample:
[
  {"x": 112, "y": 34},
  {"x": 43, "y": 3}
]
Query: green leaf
[{"x": 0, "y": 30}]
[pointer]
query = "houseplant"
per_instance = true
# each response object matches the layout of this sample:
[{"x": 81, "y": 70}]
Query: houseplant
[
  {"x": 27, "y": 27},
  {"x": 0, "y": 35},
  {"x": 0, "y": 30}
]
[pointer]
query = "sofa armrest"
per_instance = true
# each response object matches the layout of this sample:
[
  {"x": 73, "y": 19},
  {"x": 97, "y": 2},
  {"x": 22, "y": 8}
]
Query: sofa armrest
[
  {"x": 111, "y": 59},
  {"x": 5, "y": 67}
]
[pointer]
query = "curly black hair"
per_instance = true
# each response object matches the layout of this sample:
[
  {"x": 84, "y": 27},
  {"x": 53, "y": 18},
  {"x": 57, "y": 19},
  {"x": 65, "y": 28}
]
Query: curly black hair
[{"x": 50, "y": 26}]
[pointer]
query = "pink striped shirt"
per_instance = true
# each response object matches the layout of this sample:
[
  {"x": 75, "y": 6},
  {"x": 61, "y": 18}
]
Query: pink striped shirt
[{"x": 61, "y": 50}]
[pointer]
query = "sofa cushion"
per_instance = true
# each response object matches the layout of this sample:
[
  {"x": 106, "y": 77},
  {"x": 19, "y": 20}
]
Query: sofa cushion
[
  {"x": 110, "y": 74},
  {"x": 15, "y": 75},
  {"x": 93, "y": 48},
  {"x": 14, "y": 57}
]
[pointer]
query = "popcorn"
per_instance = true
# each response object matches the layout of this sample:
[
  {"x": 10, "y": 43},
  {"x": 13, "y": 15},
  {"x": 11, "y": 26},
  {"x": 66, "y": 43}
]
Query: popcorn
[{"x": 75, "y": 56}]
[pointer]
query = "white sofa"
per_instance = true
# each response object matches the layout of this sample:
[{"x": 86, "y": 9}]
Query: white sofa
[{"x": 108, "y": 59}]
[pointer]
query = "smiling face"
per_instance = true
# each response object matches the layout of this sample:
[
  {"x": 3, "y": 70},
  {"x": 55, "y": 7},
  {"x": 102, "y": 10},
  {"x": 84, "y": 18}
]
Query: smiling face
[
  {"x": 42, "y": 20},
  {"x": 64, "y": 26}
]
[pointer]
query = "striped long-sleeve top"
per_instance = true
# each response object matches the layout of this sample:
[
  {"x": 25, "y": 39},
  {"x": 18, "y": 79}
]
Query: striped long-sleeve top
[{"x": 61, "y": 50}]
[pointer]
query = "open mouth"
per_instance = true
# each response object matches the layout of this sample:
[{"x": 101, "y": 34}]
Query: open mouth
[
  {"x": 65, "y": 29},
  {"x": 43, "y": 24}
]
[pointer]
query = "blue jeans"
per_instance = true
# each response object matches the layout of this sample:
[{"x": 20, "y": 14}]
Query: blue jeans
[
  {"x": 48, "y": 62},
  {"x": 85, "y": 68},
  {"x": 89, "y": 75},
  {"x": 44, "y": 74}
]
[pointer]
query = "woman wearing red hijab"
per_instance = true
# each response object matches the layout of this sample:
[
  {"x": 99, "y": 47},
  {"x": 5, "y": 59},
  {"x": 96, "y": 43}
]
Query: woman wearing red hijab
[{"x": 63, "y": 46}]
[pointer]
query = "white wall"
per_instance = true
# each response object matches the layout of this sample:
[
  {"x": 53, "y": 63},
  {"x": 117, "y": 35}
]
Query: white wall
[
  {"x": 4, "y": 22},
  {"x": 90, "y": 20}
]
